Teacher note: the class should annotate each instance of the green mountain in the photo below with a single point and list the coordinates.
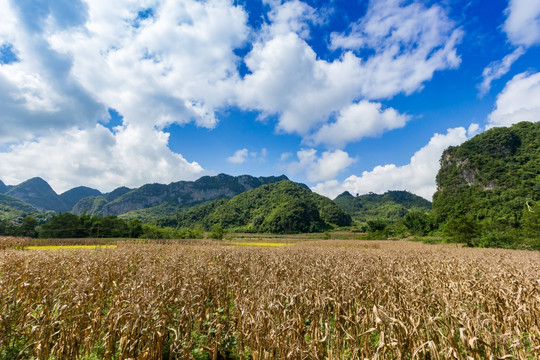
(92, 205)
(493, 178)
(13, 209)
(71, 197)
(281, 207)
(38, 193)
(153, 201)
(116, 193)
(3, 187)
(392, 205)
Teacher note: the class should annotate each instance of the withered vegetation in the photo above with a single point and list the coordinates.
(313, 300)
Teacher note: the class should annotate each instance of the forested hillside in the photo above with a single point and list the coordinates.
(38, 193)
(492, 181)
(282, 207)
(391, 206)
(153, 201)
(3, 187)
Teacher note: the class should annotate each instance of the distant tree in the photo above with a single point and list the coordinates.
(416, 222)
(376, 225)
(216, 232)
(28, 227)
(462, 229)
(3, 225)
(63, 225)
(135, 228)
(531, 219)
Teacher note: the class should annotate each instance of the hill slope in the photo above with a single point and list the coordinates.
(13, 209)
(392, 205)
(71, 197)
(282, 207)
(3, 187)
(158, 200)
(38, 193)
(491, 177)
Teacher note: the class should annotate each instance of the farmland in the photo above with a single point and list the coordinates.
(333, 299)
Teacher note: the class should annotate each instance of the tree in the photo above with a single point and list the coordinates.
(28, 226)
(531, 219)
(63, 225)
(416, 222)
(376, 225)
(462, 230)
(216, 233)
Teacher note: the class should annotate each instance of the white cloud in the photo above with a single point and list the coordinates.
(519, 101)
(177, 64)
(291, 17)
(325, 167)
(239, 157)
(410, 42)
(242, 155)
(418, 176)
(358, 121)
(522, 25)
(288, 79)
(97, 157)
(496, 69)
(36, 91)
(174, 67)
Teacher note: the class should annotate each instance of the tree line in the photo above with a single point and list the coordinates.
(68, 225)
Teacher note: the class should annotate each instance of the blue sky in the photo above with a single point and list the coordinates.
(341, 95)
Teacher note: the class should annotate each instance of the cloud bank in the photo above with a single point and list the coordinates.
(418, 176)
(163, 62)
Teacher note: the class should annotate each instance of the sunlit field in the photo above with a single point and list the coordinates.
(301, 299)
(67, 247)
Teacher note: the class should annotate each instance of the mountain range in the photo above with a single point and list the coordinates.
(146, 202)
(279, 207)
(158, 202)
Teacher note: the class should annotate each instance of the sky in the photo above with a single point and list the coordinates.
(342, 95)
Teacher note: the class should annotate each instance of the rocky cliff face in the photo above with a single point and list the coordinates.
(492, 176)
(459, 171)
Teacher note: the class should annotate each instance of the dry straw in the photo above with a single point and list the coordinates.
(327, 300)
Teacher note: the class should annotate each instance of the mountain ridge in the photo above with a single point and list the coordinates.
(392, 205)
(279, 207)
(179, 193)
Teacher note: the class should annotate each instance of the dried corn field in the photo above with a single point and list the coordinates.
(319, 300)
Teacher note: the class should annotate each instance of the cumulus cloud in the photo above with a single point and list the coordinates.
(519, 101)
(291, 17)
(239, 157)
(36, 91)
(129, 156)
(522, 25)
(409, 43)
(418, 176)
(358, 121)
(320, 168)
(175, 66)
(162, 62)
